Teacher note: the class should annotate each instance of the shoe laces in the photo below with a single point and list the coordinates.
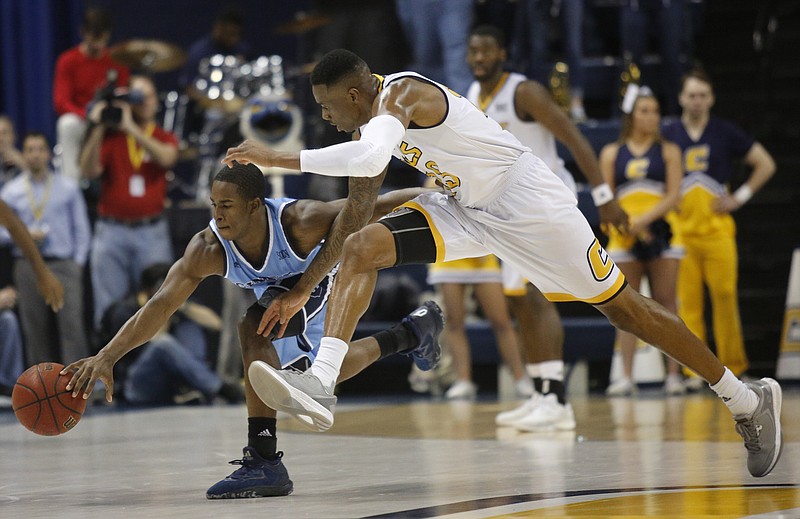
(748, 430)
(249, 462)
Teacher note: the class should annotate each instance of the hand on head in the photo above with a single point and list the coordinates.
(248, 152)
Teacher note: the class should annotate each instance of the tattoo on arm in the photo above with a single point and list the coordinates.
(354, 216)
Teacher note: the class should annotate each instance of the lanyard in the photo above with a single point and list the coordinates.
(136, 152)
(38, 208)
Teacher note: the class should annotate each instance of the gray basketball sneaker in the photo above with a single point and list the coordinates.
(762, 434)
(298, 393)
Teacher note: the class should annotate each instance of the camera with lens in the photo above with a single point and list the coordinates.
(112, 115)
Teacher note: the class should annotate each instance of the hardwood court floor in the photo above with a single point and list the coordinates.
(629, 458)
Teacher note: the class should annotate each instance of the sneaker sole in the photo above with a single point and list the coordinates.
(255, 492)
(777, 402)
(545, 428)
(277, 394)
(423, 363)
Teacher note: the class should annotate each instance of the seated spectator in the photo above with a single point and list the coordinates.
(11, 355)
(53, 209)
(80, 72)
(11, 161)
(172, 367)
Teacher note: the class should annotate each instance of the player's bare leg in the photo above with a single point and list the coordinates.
(756, 406)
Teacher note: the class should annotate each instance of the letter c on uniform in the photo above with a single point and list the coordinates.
(601, 264)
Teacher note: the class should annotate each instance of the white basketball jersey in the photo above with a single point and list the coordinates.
(468, 153)
(500, 107)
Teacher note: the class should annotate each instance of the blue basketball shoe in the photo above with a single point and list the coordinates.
(257, 477)
(426, 323)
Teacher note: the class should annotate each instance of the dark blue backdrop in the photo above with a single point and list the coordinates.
(34, 32)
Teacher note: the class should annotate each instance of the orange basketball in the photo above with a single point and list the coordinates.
(42, 403)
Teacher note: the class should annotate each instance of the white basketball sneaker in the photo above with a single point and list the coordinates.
(622, 387)
(549, 415)
(461, 390)
(508, 418)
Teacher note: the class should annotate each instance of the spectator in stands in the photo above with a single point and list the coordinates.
(533, 20)
(50, 288)
(645, 172)
(53, 209)
(80, 72)
(131, 158)
(11, 160)
(639, 19)
(452, 279)
(172, 367)
(710, 147)
(225, 38)
(437, 31)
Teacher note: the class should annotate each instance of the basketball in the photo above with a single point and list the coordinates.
(42, 403)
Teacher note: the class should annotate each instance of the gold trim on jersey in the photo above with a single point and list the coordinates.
(560, 297)
(437, 236)
(380, 82)
(515, 292)
(485, 100)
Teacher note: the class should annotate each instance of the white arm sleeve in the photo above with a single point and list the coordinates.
(366, 157)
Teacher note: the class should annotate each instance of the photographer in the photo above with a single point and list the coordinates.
(131, 155)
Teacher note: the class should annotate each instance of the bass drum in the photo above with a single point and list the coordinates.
(273, 120)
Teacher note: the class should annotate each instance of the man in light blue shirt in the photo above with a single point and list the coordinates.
(53, 209)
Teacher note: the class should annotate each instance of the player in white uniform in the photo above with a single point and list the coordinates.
(499, 198)
(527, 110)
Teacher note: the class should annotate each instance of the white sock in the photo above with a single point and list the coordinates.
(329, 360)
(552, 370)
(740, 399)
(533, 370)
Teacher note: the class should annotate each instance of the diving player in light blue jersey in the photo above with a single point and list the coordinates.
(263, 245)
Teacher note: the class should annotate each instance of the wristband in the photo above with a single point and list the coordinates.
(602, 194)
(743, 194)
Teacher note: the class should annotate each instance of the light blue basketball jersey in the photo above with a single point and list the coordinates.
(282, 267)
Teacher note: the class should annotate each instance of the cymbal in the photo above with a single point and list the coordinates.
(148, 55)
(302, 22)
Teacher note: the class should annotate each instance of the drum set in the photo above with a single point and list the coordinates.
(229, 99)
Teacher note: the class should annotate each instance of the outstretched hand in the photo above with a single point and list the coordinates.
(248, 152)
(281, 310)
(86, 374)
